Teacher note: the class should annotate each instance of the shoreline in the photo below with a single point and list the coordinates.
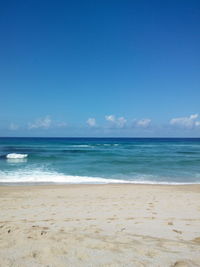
(29, 184)
(100, 225)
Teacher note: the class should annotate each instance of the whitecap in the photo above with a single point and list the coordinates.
(16, 156)
(80, 146)
(41, 176)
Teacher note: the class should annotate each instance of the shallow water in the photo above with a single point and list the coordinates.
(100, 160)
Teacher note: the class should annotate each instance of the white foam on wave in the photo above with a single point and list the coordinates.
(79, 146)
(39, 176)
(16, 156)
(16, 160)
(52, 177)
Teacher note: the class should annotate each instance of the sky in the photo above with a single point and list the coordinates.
(100, 68)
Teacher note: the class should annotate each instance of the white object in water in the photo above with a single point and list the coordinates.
(16, 156)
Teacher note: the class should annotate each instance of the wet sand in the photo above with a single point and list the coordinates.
(100, 225)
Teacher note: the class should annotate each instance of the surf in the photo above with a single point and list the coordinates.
(16, 156)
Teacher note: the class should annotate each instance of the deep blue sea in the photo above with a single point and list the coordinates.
(100, 160)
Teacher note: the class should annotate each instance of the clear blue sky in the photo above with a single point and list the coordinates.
(64, 62)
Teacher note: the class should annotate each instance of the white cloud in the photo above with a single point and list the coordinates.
(110, 118)
(121, 121)
(194, 116)
(187, 122)
(91, 122)
(143, 123)
(118, 122)
(43, 123)
(13, 126)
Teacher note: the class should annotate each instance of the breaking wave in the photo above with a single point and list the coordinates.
(16, 156)
(38, 176)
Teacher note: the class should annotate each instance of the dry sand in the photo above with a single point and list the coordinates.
(100, 225)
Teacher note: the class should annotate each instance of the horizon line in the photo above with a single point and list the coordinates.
(76, 137)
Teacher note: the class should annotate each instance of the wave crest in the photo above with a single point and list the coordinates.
(16, 156)
(47, 177)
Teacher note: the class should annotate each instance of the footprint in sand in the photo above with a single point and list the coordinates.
(90, 219)
(177, 231)
(111, 219)
(184, 263)
(34, 254)
(196, 240)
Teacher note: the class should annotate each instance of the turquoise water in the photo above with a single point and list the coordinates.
(100, 160)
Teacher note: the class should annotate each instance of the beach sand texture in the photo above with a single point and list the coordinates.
(100, 225)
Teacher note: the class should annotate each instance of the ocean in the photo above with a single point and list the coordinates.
(100, 160)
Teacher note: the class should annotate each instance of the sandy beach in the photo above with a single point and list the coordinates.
(100, 225)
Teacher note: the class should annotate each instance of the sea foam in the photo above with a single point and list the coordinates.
(40, 176)
(16, 156)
